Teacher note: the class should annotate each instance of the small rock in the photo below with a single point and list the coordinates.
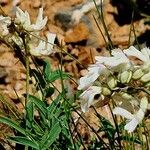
(36, 4)
(7, 59)
(63, 20)
(79, 33)
(3, 72)
(16, 2)
(4, 2)
(18, 86)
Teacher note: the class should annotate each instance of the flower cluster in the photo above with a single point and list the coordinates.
(123, 77)
(12, 29)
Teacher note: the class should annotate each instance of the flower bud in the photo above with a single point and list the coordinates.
(144, 103)
(137, 74)
(17, 21)
(147, 84)
(106, 91)
(145, 78)
(112, 82)
(125, 77)
(126, 96)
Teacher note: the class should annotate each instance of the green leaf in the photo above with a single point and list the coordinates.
(107, 127)
(39, 104)
(24, 141)
(130, 139)
(55, 104)
(12, 124)
(30, 112)
(37, 129)
(50, 75)
(39, 78)
(52, 136)
(49, 91)
(121, 126)
(57, 74)
(47, 68)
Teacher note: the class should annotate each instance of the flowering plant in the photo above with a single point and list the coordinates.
(21, 32)
(125, 74)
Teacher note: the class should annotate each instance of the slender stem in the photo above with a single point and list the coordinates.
(105, 130)
(3, 13)
(135, 34)
(27, 76)
(116, 125)
(27, 79)
(27, 70)
(100, 14)
(79, 136)
(130, 29)
(100, 30)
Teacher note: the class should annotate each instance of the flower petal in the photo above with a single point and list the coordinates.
(118, 58)
(130, 127)
(87, 80)
(144, 103)
(40, 22)
(123, 112)
(132, 51)
(4, 23)
(50, 41)
(138, 117)
(88, 96)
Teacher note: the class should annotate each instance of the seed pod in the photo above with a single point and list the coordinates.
(137, 74)
(112, 82)
(125, 77)
(145, 78)
(126, 96)
(106, 91)
(147, 84)
(144, 103)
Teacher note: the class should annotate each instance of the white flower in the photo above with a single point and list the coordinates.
(87, 80)
(94, 72)
(23, 18)
(143, 55)
(17, 40)
(133, 119)
(118, 58)
(40, 22)
(87, 97)
(4, 23)
(44, 47)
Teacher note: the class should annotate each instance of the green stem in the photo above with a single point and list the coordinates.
(27, 68)
(100, 14)
(116, 125)
(27, 77)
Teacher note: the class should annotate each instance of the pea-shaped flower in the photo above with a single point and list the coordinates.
(23, 19)
(4, 23)
(133, 119)
(45, 47)
(88, 96)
